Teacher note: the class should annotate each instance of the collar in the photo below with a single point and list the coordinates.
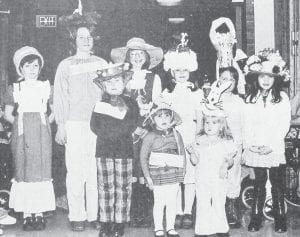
(163, 133)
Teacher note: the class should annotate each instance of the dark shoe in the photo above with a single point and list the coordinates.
(39, 223)
(105, 230)
(232, 213)
(223, 234)
(118, 230)
(78, 226)
(172, 235)
(28, 224)
(95, 225)
(187, 221)
(279, 210)
(178, 221)
(157, 235)
(259, 196)
(200, 235)
(255, 223)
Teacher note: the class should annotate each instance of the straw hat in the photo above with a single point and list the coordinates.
(156, 54)
(22, 53)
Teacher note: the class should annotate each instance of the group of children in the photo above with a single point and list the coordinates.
(153, 140)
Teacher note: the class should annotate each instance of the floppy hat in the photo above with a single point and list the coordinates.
(112, 71)
(157, 107)
(268, 62)
(156, 54)
(182, 57)
(22, 53)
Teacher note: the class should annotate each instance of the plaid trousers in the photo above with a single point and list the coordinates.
(114, 187)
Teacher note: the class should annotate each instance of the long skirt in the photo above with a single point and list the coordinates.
(32, 189)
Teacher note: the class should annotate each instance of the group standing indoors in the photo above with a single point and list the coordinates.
(32, 189)
(75, 95)
(267, 116)
(185, 98)
(144, 87)
(114, 119)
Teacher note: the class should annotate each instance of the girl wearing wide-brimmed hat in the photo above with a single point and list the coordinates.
(32, 189)
(113, 121)
(267, 116)
(144, 87)
(185, 99)
(163, 162)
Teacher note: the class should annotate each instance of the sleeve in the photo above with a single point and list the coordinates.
(157, 87)
(95, 124)
(145, 153)
(180, 144)
(282, 125)
(8, 96)
(60, 95)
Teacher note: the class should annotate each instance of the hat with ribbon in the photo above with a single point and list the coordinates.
(113, 70)
(156, 54)
(22, 53)
(182, 57)
(269, 62)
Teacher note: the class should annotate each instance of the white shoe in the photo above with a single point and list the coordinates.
(8, 220)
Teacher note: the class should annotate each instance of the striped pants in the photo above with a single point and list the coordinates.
(114, 187)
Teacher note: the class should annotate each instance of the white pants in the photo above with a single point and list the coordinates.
(164, 196)
(210, 213)
(234, 178)
(81, 180)
(189, 197)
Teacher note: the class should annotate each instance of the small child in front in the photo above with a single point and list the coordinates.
(212, 153)
(163, 163)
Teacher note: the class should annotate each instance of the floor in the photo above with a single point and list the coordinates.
(58, 226)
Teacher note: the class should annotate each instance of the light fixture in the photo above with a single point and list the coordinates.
(176, 20)
(169, 3)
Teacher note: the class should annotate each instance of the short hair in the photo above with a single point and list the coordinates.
(235, 75)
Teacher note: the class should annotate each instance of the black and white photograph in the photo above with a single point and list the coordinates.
(142, 118)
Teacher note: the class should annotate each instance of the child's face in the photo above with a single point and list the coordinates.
(212, 125)
(162, 119)
(31, 71)
(114, 86)
(265, 81)
(137, 58)
(84, 40)
(226, 76)
(181, 75)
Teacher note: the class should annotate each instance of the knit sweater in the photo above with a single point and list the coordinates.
(114, 136)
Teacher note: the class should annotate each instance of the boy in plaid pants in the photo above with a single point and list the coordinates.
(113, 121)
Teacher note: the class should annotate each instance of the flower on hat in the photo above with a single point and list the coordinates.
(267, 61)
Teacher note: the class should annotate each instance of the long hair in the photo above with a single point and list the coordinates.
(146, 63)
(235, 75)
(253, 88)
(224, 131)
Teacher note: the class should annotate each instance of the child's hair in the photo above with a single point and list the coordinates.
(145, 65)
(170, 82)
(235, 75)
(253, 88)
(165, 111)
(30, 59)
(224, 131)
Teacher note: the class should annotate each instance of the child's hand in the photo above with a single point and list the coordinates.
(265, 150)
(150, 183)
(61, 135)
(190, 149)
(223, 172)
